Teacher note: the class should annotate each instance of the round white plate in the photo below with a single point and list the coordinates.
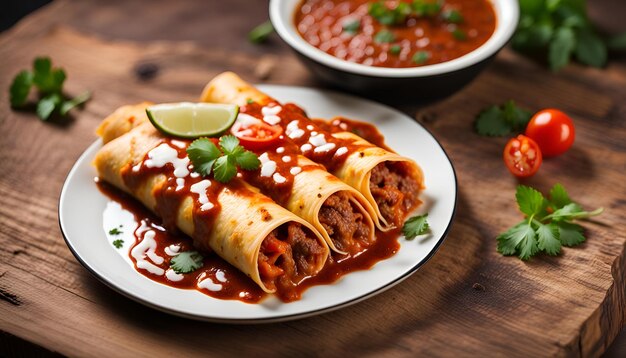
(82, 205)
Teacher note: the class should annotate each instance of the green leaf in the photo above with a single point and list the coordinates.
(415, 226)
(260, 33)
(520, 240)
(47, 104)
(225, 169)
(559, 197)
(352, 27)
(384, 36)
(452, 16)
(548, 239)
(187, 261)
(119, 243)
(115, 231)
(20, 88)
(46, 79)
(395, 50)
(561, 48)
(248, 161)
(570, 234)
(567, 212)
(490, 122)
(420, 57)
(229, 144)
(617, 42)
(590, 49)
(203, 153)
(459, 34)
(66, 106)
(515, 116)
(530, 201)
(42, 66)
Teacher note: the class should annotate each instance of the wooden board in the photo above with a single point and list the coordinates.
(468, 300)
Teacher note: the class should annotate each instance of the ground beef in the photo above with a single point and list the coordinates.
(345, 223)
(394, 190)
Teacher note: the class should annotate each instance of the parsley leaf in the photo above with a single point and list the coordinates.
(415, 226)
(541, 231)
(118, 243)
(206, 157)
(49, 83)
(115, 231)
(261, 33)
(185, 262)
(561, 48)
(499, 121)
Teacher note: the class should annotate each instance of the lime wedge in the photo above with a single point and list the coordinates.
(192, 120)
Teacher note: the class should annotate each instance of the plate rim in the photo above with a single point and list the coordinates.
(279, 318)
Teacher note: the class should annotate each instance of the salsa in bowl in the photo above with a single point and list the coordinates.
(420, 48)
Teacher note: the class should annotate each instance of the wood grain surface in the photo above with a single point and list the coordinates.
(468, 300)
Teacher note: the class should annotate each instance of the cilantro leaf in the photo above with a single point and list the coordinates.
(570, 234)
(459, 34)
(203, 153)
(248, 161)
(229, 144)
(187, 261)
(20, 87)
(384, 36)
(415, 226)
(452, 16)
(590, 49)
(66, 106)
(395, 50)
(561, 48)
(48, 80)
(548, 238)
(47, 104)
(118, 243)
(115, 231)
(516, 116)
(530, 201)
(225, 169)
(559, 197)
(490, 123)
(566, 212)
(519, 240)
(420, 57)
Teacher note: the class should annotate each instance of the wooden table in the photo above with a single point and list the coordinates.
(468, 300)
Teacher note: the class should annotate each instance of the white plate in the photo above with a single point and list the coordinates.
(81, 218)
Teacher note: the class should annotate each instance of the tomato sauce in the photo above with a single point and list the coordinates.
(354, 31)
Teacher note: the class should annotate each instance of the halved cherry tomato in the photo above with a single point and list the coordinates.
(522, 156)
(553, 130)
(256, 136)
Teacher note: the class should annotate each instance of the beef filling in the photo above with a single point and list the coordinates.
(289, 254)
(345, 223)
(394, 190)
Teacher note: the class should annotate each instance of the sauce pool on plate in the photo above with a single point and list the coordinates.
(396, 34)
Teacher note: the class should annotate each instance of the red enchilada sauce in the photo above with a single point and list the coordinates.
(227, 281)
(396, 34)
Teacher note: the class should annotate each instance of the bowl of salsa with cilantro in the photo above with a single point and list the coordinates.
(422, 48)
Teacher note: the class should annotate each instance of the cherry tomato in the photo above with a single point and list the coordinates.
(553, 130)
(522, 156)
(257, 135)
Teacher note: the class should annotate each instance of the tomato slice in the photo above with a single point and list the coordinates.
(256, 135)
(553, 130)
(522, 156)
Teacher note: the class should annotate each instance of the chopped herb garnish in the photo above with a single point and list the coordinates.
(115, 231)
(395, 50)
(185, 262)
(498, 121)
(260, 33)
(420, 57)
(384, 36)
(415, 226)
(426, 8)
(398, 15)
(249, 101)
(452, 16)
(459, 34)
(118, 243)
(49, 83)
(206, 157)
(547, 224)
(352, 27)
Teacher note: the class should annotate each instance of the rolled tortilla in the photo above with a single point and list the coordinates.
(398, 179)
(244, 227)
(340, 213)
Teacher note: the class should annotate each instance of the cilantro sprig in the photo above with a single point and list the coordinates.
(562, 30)
(223, 161)
(547, 225)
(417, 8)
(49, 83)
(186, 261)
(415, 226)
(499, 121)
(119, 243)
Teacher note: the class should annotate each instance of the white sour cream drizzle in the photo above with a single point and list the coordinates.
(268, 167)
(293, 131)
(341, 151)
(144, 250)
(305, 147)
(173, 276)
(164, 154)
(280, 150)
(279, 178)
(270, 114)
(210, 285)
(295, 170)
(172, 250)
(200, 189)
(286, 159)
